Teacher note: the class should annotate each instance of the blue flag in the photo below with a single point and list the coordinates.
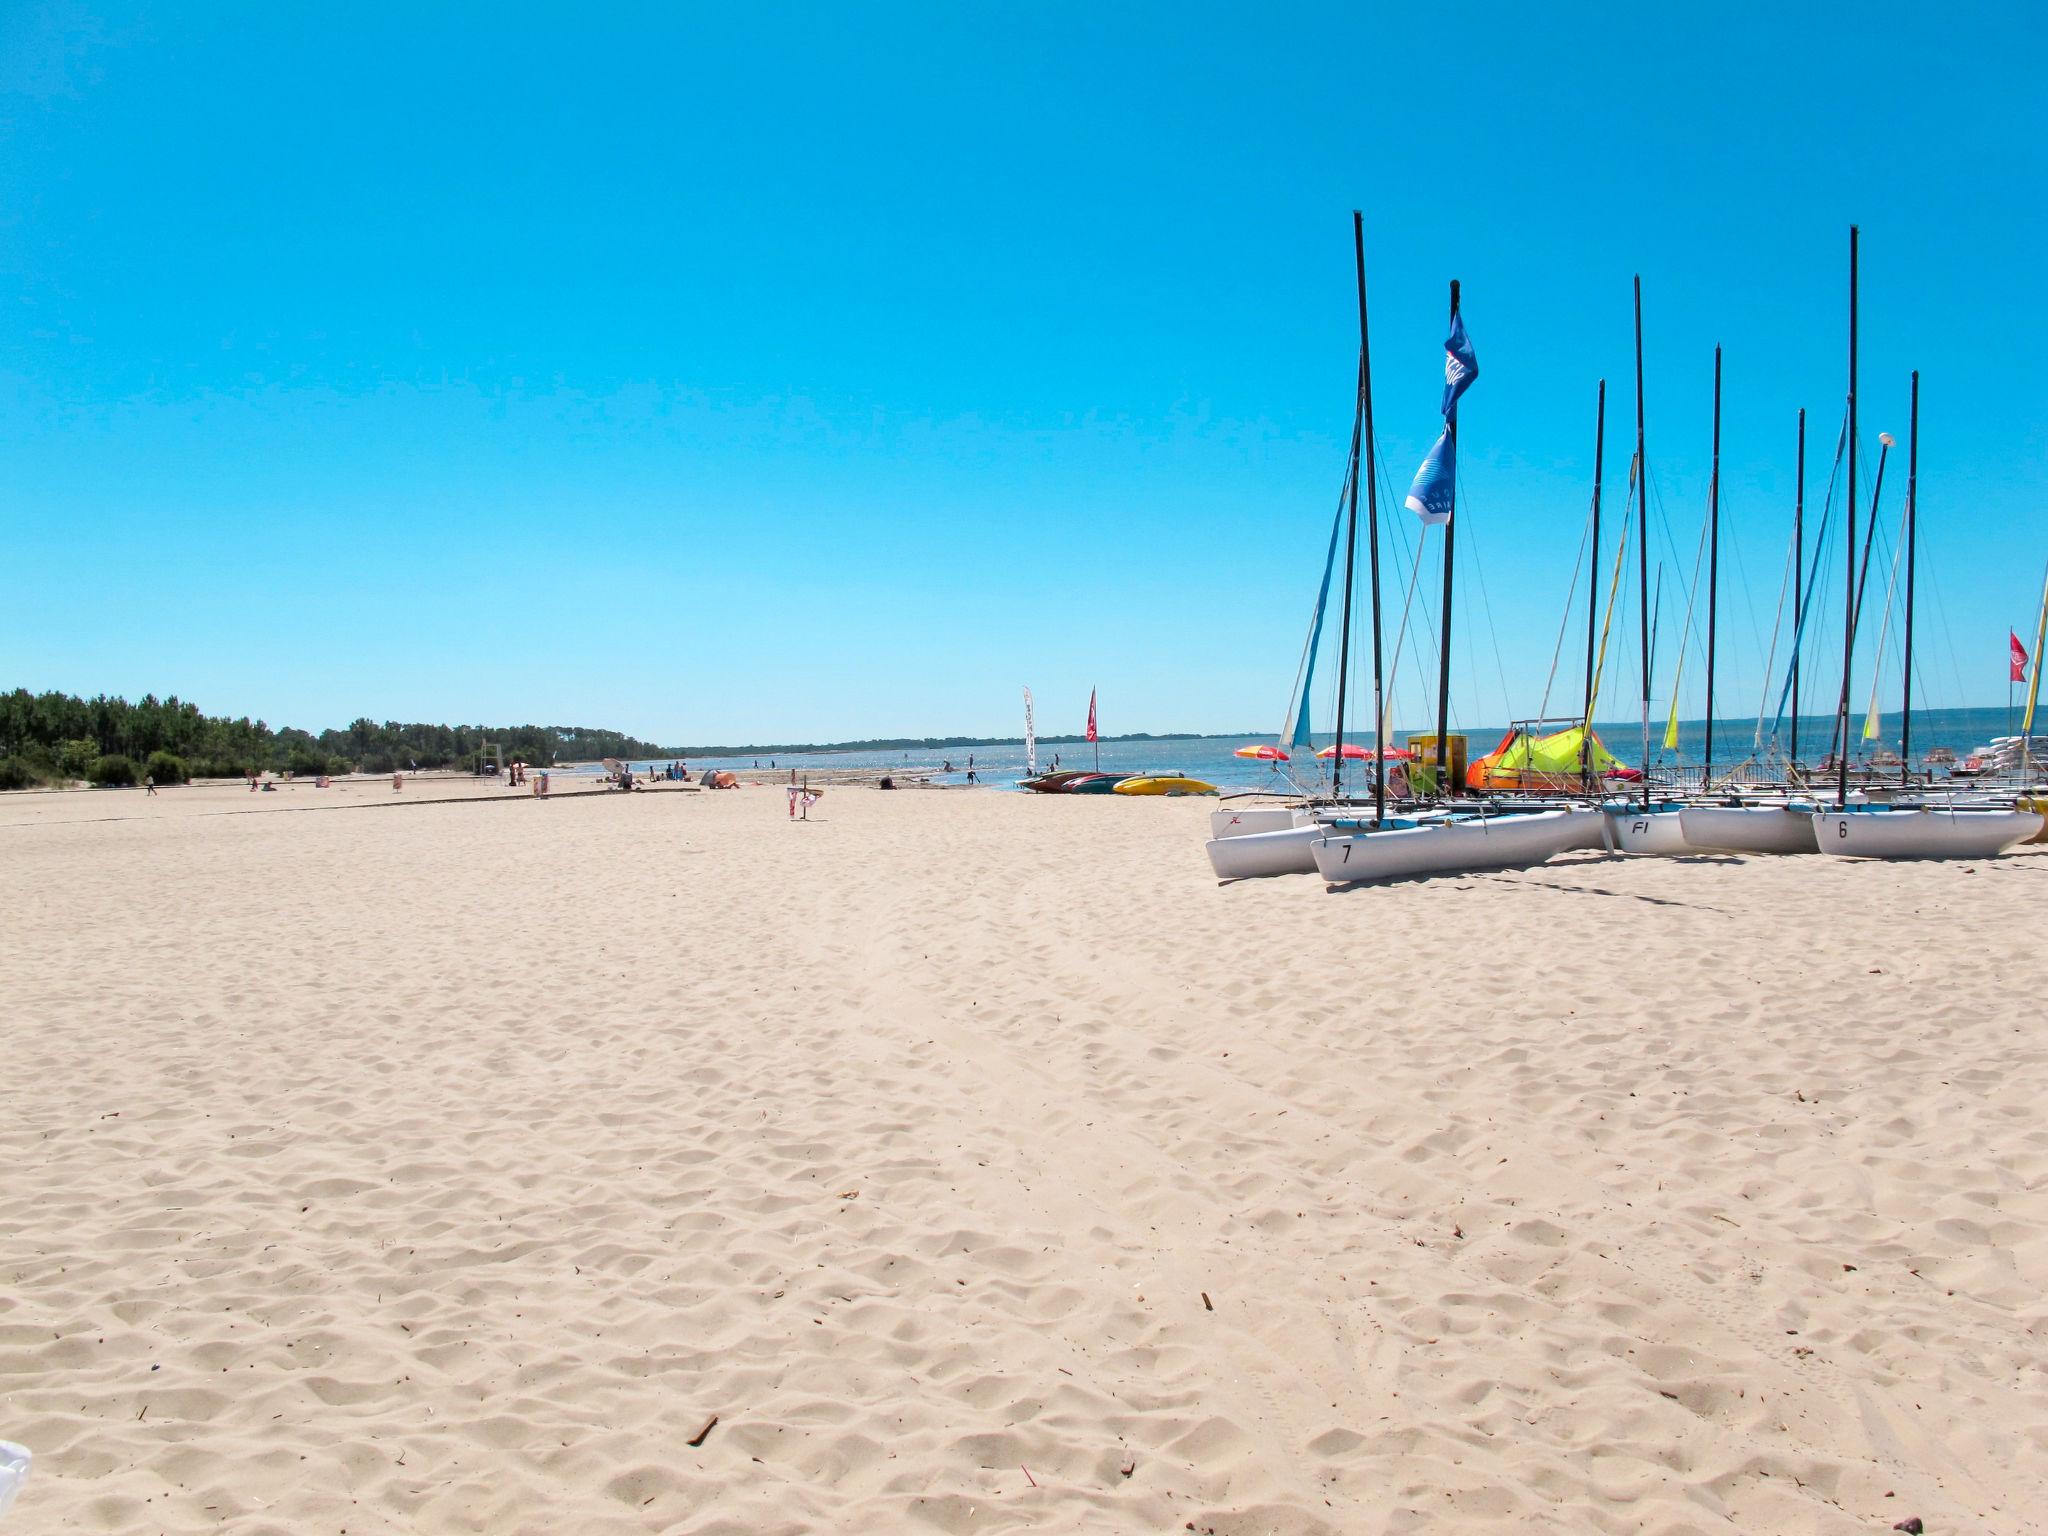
(1434, 490)
(1461, 366)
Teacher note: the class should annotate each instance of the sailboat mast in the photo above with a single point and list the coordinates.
(1713, 573)
(1798, 577)
(1593, 582)
(1849, 589)
(1912, 537)
(1369, 460)
(1643, 541)
(1445, 784)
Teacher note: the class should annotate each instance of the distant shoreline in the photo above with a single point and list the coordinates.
(933, 743)
(1620, 730)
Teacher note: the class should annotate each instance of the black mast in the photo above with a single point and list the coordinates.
(1593, 582)
(1798, 577)
(1912, 532)
(1713, 572)
(1849, 587)
(1369, 461)
(1643, 541)
(1445, 785)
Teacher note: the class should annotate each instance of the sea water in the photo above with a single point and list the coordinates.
(999, 765)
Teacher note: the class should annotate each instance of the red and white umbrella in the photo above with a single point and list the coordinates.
(1353, 750)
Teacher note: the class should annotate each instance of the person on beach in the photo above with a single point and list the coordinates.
(149, 782)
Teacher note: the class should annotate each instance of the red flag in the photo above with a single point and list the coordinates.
(1091, 710)
(2019, 657)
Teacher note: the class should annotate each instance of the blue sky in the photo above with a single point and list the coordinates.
(817, 372)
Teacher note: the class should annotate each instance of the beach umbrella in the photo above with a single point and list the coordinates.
(1353, 750)
(1264, 753)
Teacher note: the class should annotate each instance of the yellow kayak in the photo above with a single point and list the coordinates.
(1165, 784)
(2039, 805)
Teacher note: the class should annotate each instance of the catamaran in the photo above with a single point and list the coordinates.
(1277, 840)
(1456, 840)
(1879, 830)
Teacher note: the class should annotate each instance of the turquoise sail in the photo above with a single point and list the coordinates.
(1296, 732)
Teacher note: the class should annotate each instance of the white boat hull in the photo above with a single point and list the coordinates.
(1652, 833)
(1922, 833)
(1255, 855)
(1588, 828)
(1245, 820)
(1749, 828)
(1447, 847)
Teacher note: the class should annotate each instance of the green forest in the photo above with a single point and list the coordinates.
(56, 738)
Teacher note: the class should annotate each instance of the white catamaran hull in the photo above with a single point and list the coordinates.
(1245, 820)
(1447, 847)
(1749, 828)
(1255, 855)
(1655, 832)
(1922, 833)
(1588, 830)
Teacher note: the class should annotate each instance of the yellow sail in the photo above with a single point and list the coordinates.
(1606, 624)
(1684, 635)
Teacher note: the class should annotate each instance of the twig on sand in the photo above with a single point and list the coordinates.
(698, 1438)
(1027, 1475)
(1207, 1304)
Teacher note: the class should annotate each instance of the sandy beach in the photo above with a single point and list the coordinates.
(975, 1162)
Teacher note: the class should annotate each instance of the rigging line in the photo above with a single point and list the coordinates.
(1656, 623)
(1777, 627)
(1749, 603)
(1421, 683)
(1492, 628)
(1879, 543)
(1819, 580)
(1401, 634)
(1614, 590)
(1570, 602)
(1407, 602)
(1685, 632)
(1870, 720)
(1672, 546)
(1302, 672)
(1820, 597)
(1933, 588)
